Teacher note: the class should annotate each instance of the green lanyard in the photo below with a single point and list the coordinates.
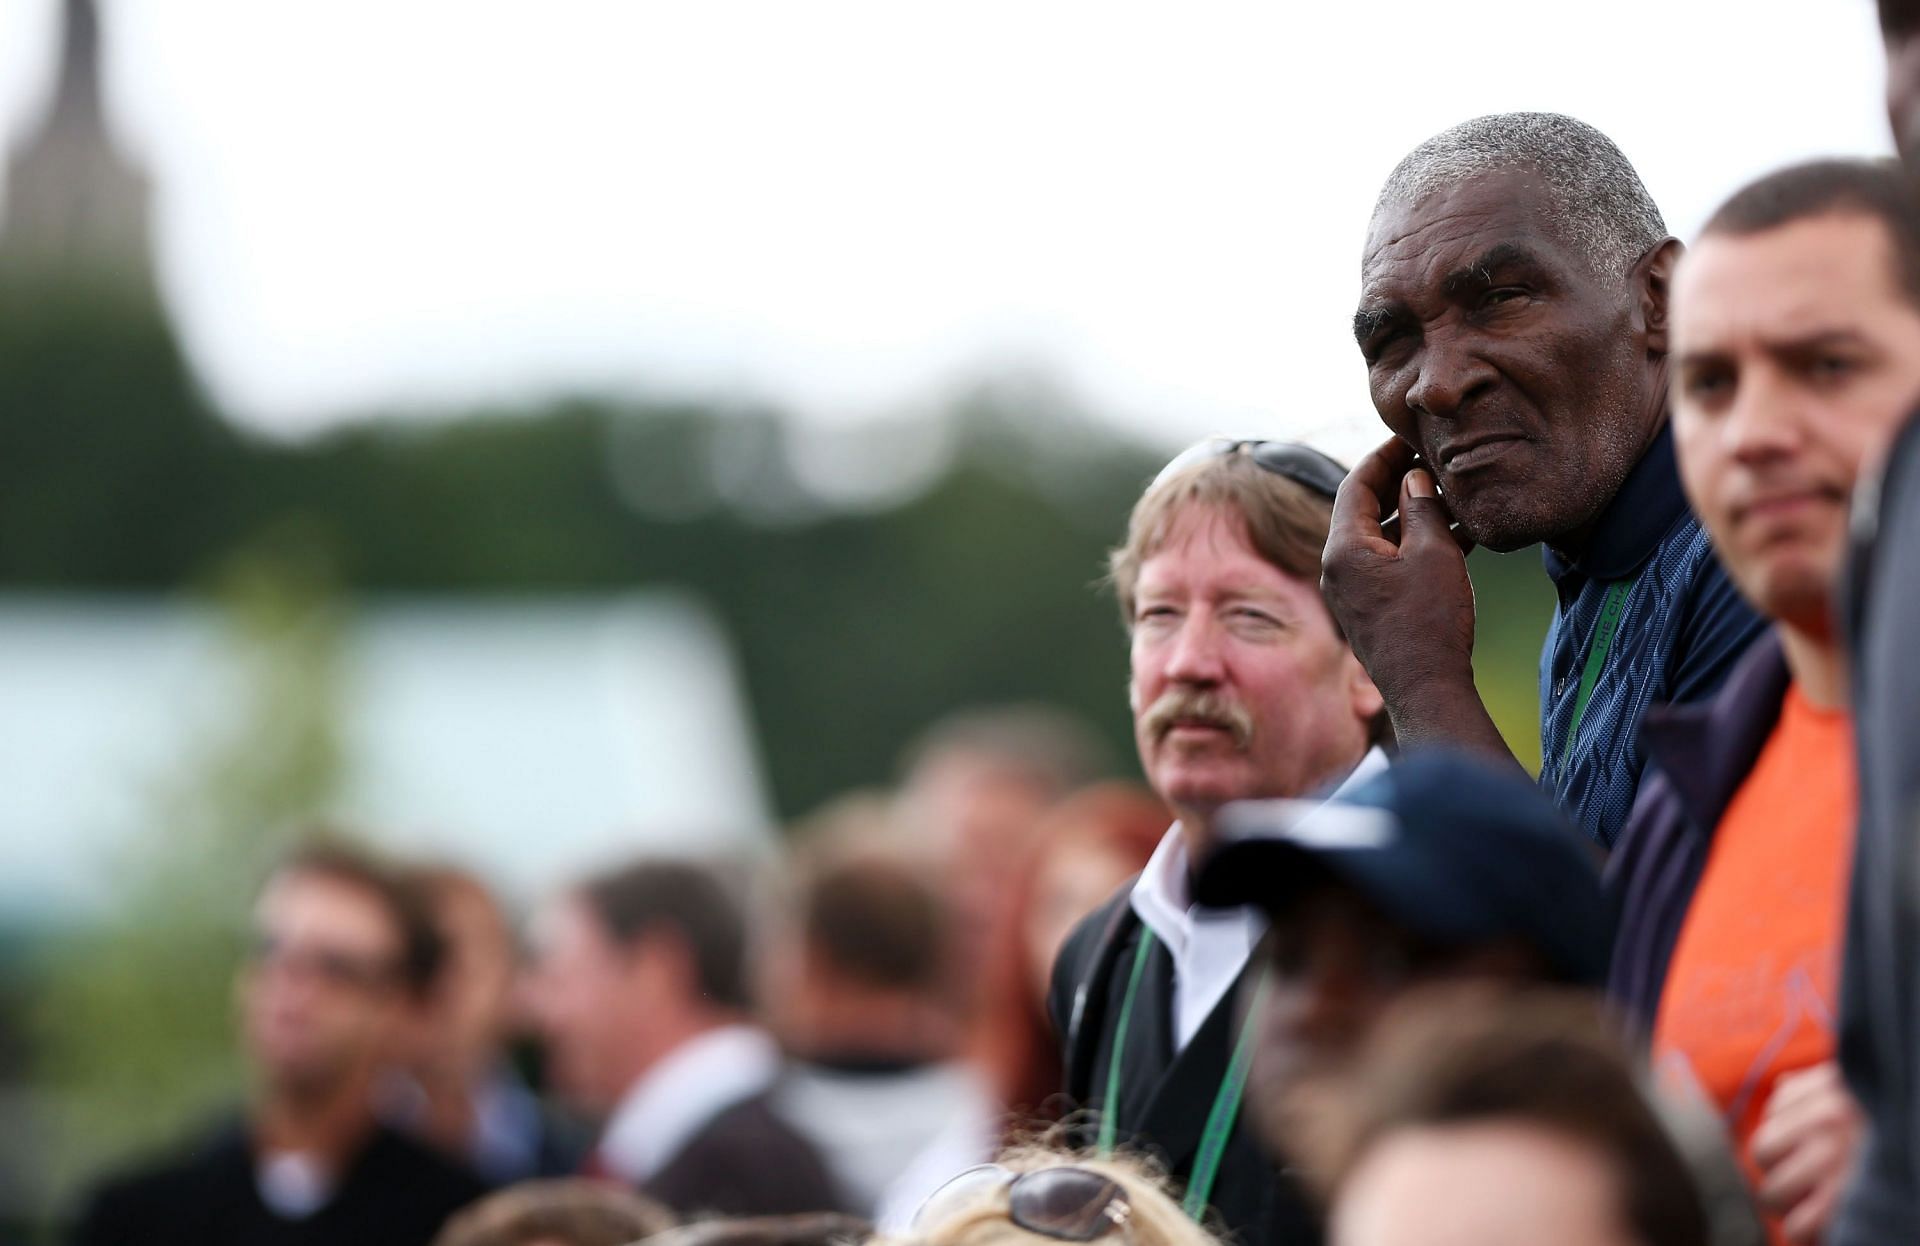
(1226, 1101)
(1612, 608)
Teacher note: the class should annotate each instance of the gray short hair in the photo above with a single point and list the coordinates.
(1605, 210)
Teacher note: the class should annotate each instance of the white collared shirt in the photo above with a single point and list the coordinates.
(1209, 946)
(675, 1099)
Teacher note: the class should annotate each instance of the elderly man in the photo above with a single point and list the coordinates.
(1513, 317)
(1242, 687)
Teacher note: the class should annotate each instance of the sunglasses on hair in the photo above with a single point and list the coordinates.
(1068, 1204)
(1300, 463)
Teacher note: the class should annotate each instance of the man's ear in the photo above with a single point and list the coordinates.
(1368, 704)
(1653, 289)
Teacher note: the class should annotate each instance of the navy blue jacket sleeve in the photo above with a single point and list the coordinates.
(1719, 627)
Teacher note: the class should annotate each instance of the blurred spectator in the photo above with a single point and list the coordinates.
(568, 1211)
(639, 989)
(343, 956)
(1480, 1120)
(1513, 319)
(458, 1090)
(1084, 849)
(975, 784)
(1034, 1195)
(1796, 352)
(815, 1229)
(1880, 979)
(856, 974)
(1241, 687)
(1443, 868)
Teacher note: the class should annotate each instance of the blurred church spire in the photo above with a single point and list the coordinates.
(75, 209)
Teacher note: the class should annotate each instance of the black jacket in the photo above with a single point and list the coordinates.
(746, 1161)
(1164, 1101)
(397, 1193)
(1880, 974)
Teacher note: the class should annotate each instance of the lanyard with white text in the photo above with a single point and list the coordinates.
(1226, 1101)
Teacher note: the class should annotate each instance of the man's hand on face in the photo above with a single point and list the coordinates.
(1402, 596)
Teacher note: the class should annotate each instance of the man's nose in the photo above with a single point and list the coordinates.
(1767, 420)
(1451, 376)
(1196, 656)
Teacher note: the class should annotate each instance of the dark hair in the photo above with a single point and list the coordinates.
(1459, 1056)
(689, 899)
(1899, 18)
(572, 1210)
(1872, 188)
(873, 916)
(422, 949)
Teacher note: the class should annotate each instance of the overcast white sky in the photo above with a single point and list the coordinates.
(849, 206)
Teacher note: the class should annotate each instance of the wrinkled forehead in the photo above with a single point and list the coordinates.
(1420, 240)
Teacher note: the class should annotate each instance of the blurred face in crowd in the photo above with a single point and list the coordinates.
(591, 1000)
(1796, 355)
(1332, 964)
(1073, 877)
(1240, 687)
(1521, 377)
(980, 812)
(1481, 1183)
(322, 999)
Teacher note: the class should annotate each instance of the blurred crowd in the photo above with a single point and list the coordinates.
(1340, 970)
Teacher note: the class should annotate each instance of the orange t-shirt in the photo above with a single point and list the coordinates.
(1751, 988)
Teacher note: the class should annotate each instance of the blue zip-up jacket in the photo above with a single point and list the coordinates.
(1698, 756)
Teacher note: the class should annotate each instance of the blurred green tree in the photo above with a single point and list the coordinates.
(133, 1025)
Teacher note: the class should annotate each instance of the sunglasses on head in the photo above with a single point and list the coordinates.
(1068, 1203)
(1300, 463)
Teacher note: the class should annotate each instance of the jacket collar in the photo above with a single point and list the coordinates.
(1706, 748)
(1629, 529)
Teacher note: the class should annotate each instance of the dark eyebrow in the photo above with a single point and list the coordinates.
(1370, 320)
(1479, 272)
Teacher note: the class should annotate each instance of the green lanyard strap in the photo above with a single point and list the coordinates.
(1226, 1102)
(1612, 608)
(1110, 1106)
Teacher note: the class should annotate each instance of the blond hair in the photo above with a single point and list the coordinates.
(1285, 521)
(1156, 1219)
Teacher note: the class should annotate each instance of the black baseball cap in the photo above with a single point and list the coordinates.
(1455, 847)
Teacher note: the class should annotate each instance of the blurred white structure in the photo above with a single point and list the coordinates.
(529, 738)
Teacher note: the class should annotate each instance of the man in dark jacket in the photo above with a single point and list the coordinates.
(1796, 350)
(1513, 318)
(639, 988)
(1880, 980)
(1241, 687)
(343, 951)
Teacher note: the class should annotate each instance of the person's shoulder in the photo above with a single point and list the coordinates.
(145, 1196)
(1082, 946)
(428, 1174)
(748, 1136)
